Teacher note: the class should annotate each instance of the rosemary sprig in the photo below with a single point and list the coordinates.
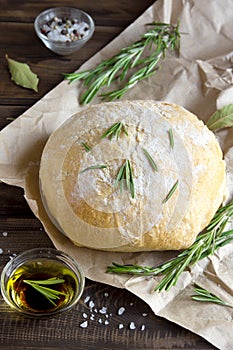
(203, 294)
(125, 174)
(206, 243)
(150, 159)
(171, 192)
(49, 293)
(93, 167)
(156, 40)
(115, 130)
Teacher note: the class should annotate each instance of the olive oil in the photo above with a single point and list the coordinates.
(29, 299)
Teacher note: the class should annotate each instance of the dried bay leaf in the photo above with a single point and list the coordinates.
(223, 118)
(22, 75)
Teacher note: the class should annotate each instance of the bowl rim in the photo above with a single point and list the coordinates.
(61, 43)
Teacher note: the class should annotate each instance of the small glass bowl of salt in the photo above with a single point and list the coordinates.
(64, 30)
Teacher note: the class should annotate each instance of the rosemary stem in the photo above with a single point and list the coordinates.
(156, 42)
(206, 243)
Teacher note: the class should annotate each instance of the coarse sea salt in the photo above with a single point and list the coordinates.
(103, 310)
(5, 234)
(132, 325)
(102, 316)
(84, 324)
(121, 310)
(1, 250)
(87, 299)
(91, 304)
(65, 30)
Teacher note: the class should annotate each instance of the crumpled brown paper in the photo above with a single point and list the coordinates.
(199, 80)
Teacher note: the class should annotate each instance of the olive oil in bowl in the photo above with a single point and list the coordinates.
(42, 282)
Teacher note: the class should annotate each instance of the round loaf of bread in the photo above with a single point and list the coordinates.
(132, 176)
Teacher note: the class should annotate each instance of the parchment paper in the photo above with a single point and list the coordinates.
(199, 80)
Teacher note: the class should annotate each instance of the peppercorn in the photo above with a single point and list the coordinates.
(64, 31)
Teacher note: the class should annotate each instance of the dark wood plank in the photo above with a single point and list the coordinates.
(48, 66)
(103, 12)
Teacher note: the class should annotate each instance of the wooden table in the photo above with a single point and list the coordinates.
(20, 230)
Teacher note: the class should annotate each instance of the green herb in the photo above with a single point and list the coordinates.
(171, 138)
(115, 130)
(206, 243)
(222, 118)
(22, 75)
(93, 167)
(125, 174)
(150, 159)
(204, 295)
(48, 293)
(86, 147)
(170, 193)
(155, 41)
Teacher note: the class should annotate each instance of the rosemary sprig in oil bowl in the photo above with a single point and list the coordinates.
(157, 40)
(42, 282)
(49, 293)
(202, 294)
(206, 243)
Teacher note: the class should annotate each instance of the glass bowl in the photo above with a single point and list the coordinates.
(42, 283)
(64, 30)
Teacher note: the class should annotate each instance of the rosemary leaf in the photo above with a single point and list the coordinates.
(93, 167)
(86, 147)
(150, 159)
(156, 41)
(204, 295)
(115, 130)
(49, 281)
(49, 293)
(222, 118)
(171, 138)
(206, 243)
(170, 193)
